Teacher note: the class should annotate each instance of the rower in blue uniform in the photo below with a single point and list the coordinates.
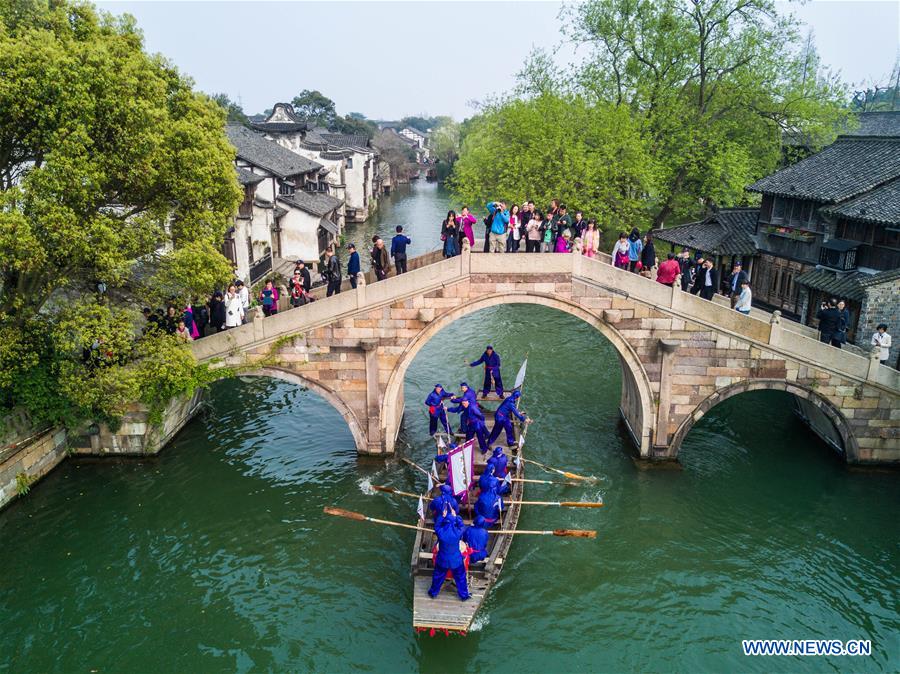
(476, 537)
(449, 530)
(488, 505)
(491, 361)
(503, 419)
(475, 427)
(436, 411)
(467, 394)
(445, 499)
(499, 461)
(489, 482)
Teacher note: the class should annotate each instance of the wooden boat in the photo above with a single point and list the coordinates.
(447, 613)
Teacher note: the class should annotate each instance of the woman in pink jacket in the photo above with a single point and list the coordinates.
(464, 223)
(590, 240)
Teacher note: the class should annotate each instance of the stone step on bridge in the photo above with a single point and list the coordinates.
(680, 355)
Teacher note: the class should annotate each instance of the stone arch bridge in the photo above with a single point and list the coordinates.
(680, 355)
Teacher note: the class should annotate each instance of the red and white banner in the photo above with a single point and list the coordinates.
(461, 465)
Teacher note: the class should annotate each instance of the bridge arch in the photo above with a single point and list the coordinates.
(275, 372)
(834, 415)
(637, 406)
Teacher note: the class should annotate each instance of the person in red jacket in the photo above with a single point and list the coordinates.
(668, 270)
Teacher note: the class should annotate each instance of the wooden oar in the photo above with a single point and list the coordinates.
(564, 473)
(564, 504)
(418, 467)
(525, 479)
(350, 515)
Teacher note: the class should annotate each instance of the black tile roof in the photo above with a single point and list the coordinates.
(346, 139)
(848, 167)
(877, 124)
(881, 206)
(848, 286)
(267, 154)
(246, 177)
(279, 127)
(315, 203)
(728, 232)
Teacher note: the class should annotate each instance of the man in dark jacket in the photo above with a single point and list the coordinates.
(684, 263)
(306, 279)
(353, 266)
(398, 249)
(829, 318)
(737, 278)
(217, 312)
(332, 272)
(708, 280)
(381, 264)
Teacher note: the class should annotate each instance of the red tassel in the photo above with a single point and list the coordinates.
(446, 632)
(431, 633)
(462, 633)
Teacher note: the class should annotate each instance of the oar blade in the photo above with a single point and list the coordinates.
(581, 504)
(340, 512)
(388, 490)
(575, 533)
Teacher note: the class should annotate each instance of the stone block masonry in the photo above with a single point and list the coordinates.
(680, 355)
(30, 460)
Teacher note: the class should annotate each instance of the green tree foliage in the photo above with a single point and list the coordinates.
(108, 159)
(233, 111)
(591, 157)
(714, 83)
(421, 123)
(315, 108)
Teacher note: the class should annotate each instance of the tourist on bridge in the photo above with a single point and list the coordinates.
(268, 298)
(450, 235)
(841, 336)
(234, 308)
(476, 537)
(579, 226)
(244, 294)
(745, 298)
(697, 272)
(332, 272)
(620, 251)
(499, 222)
(353, 266)
(563, 243)
(299, 295)
(466, 394)
(305, 276)
(514, 231)
(708, 280)
(503, 419)
(534, 230)
(217, 313)
(829, 318)
(561, 223)
(200, 313)
(491, 361)
(668, 271)
(684, 261)
(449, 530)
(648, 256)
(635, 248)
(882, 340)
(398, 249)
(736, 281)
(436, 411)
(499, 461)
(464, 224)
(182, 332)
(381, 263)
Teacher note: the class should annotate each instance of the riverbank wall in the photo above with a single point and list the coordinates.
(27, 454)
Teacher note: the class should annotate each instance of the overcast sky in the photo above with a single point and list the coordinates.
(390, 59)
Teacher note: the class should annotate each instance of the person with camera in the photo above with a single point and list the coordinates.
(497, 221)
(829, 317)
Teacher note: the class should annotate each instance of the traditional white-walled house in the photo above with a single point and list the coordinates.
(349, 163)
(286, 214)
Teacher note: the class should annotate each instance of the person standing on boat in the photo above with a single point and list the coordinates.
(436, 411)
(491, 361)
(475, 427)
(467, 394)
(449, 531)
(503, 419)
(476, 537)
(499, 461)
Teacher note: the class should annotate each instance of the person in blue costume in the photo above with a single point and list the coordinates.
(467, 394)
(499, 462)
(449, 530)
(475, 427)
(476, 537)
(436, 412)
(491, 361)
(503, 419)
(445, 499)
(489, 482)
(488, 505)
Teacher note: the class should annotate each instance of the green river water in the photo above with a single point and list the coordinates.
(216, 556)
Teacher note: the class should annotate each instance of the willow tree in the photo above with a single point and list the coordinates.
(108, 159)
(591, 157)
(715, 85)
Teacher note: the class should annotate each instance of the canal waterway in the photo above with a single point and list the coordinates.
(216, 556)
